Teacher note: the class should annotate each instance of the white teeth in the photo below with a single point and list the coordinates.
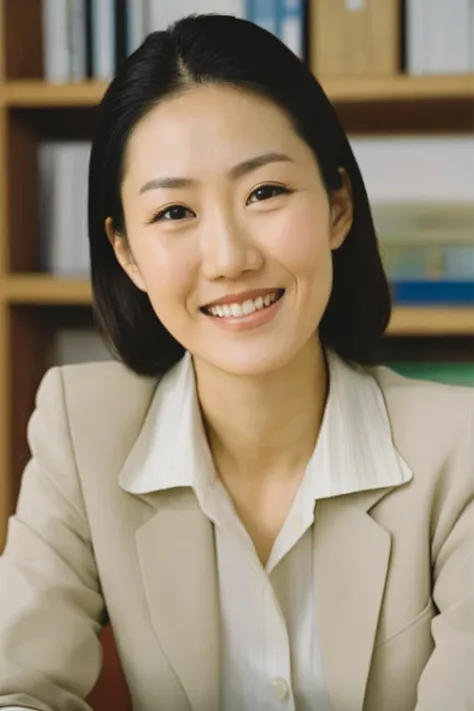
(243, 309)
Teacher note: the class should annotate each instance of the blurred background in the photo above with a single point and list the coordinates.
(401, 76)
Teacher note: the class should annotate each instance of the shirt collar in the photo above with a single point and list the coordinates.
(354, 452)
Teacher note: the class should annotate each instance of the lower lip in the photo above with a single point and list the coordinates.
(253, 320)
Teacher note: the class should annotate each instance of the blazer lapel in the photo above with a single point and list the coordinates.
(351, 556)
(176, 552)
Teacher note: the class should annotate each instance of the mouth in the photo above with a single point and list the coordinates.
(243, 309)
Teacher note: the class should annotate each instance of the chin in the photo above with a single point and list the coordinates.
(246, 361)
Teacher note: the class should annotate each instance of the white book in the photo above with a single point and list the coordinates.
(136, 24)
(80, 154)
(63, 171)
(416, 168)
(291, 25)
(61, 239)
(472, 35)
(77, 39)
(103, 39)
(78, 346)
(416, 36)
(448, 37)
(55, 41)
(157, 14)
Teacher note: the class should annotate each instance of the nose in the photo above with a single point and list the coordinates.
(228, 250)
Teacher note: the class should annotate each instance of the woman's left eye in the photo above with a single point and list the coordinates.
(265, 192)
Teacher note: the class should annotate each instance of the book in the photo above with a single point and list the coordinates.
(78, 346)
(103, 39)
(439, 36)
(265, 15)
(291, 25)
(355, 37)
(433, 292)
(63, 187)
(452, 373)
(55, 40)
(77, 39)
(137, 27)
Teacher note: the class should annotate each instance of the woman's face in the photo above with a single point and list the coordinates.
(229, 228)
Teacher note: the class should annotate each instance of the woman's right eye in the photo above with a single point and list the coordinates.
(172, 213)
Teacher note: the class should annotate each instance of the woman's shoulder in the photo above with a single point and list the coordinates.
(431, 422)
(96, 396)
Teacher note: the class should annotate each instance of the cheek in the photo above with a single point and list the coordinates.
(168, 272)
(301, 243)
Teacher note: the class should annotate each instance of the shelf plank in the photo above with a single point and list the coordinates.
(398, 88)
(355, 90)
(38, 94)
(432, 321)
(43, 289)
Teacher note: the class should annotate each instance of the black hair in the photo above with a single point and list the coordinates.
(202, 49)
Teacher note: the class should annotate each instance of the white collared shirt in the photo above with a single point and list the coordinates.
(270, 651)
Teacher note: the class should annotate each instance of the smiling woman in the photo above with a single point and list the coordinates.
(286, 522)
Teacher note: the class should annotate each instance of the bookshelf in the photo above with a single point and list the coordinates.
(33, 305)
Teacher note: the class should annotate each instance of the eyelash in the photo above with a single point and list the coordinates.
(159, 216)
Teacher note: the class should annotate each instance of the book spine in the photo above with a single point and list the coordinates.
(136, 29)
(56, 45)
(266, 15)
(416, 21)
(103, 39)
(444, 293)
(448, 37)
(291, 25)
(77, 35)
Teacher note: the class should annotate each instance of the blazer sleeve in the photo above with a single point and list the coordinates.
(51, 607)
(447, 681)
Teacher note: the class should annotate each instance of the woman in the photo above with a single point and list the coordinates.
(266, 519)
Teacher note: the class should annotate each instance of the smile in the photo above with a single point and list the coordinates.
(245, 308)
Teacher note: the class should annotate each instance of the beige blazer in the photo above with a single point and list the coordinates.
(394, 567)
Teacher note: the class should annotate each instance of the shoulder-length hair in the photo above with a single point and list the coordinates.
(201, 49)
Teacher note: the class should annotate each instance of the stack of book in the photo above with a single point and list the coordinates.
(88, 39)
(63, 186)
(428, 251)
(439, 36)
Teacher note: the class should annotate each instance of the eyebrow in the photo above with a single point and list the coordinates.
(238, 171)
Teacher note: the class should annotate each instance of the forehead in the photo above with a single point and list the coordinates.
(200, 119)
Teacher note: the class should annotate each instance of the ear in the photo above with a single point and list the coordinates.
(124, 254)
(342, 211)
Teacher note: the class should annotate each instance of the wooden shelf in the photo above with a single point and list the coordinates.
(40, 94)
(36, 93)
(42, 289)
(398, 88)
(432, 321)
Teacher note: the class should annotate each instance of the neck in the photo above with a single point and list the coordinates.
(270, 422)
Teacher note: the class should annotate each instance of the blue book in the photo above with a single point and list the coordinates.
(433, 292)
(290, 24)
(264, 13)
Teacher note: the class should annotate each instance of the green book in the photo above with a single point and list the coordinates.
(451, 373)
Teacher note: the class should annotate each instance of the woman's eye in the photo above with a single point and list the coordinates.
(171, 214)
(264, 192)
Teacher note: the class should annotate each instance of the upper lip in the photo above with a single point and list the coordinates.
(241, 297)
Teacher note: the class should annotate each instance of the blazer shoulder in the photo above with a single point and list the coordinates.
(100, 401)
(426, 415)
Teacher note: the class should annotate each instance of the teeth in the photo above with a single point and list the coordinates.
(243, 309)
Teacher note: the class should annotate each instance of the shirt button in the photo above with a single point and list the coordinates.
(280, 688)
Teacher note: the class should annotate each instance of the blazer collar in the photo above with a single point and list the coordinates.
(354, 452)
(175, 545)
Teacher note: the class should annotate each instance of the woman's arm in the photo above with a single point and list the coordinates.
(51, 607)
(447, 681)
